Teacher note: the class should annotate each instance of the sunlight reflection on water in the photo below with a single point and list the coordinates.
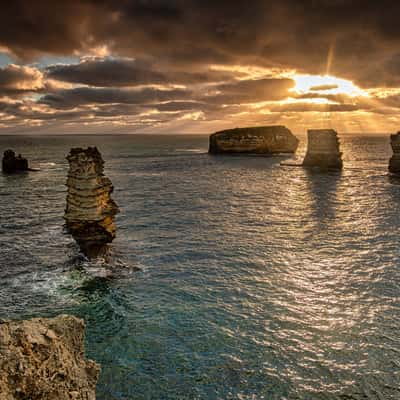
(256, 281)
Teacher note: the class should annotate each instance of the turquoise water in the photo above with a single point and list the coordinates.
(256, 281)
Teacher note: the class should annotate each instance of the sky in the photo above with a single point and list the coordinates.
(198, 66)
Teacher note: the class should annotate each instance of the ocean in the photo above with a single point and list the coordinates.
(230, 277)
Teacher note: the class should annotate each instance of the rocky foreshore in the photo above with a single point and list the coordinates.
(43, 359)
(254, 140)
(90, 210)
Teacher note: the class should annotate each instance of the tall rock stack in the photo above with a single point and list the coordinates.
(90, 210)
(323, 149)
(394, 163)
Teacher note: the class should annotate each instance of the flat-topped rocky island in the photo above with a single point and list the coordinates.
(266, 140)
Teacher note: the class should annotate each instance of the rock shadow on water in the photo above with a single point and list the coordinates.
(322, 185)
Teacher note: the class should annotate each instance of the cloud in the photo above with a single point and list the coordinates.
(36, 28)
(391, 101)
(106, 72)
(250, 91)
(16, 79)
(111, 72)
(235, 92)
(174, 106)
(313, 107)
(320, 88)
(288, 33)
(147, 61)
(70, 98)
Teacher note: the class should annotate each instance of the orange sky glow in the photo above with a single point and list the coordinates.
(173, 67)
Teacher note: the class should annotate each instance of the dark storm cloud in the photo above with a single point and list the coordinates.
(128, 72)
(385, 70)
(45, 27)
(70, 98)
(362, 35)
(106, 72)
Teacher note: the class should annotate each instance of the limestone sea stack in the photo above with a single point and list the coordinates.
(90, 210)
(323, 149)
(43, 359)
(394, 162)
(12, 163)
(254, 140)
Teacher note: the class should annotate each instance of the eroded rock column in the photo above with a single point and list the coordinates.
(323, 149)
(90, 210)
(394, 162)
(43, 359)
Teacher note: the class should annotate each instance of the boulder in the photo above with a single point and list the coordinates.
(43, 359)
(90, 210)
(323, 149)
(254, 140)
(394, 162)
(12, 163)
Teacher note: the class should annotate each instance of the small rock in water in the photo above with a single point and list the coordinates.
(90, 209)
(12, 163)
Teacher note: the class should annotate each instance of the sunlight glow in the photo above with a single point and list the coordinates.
(311, 101)
(326, 84)
(253, 72)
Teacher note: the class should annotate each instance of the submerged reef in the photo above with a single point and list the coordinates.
(43, 359)
(12, 163)
(394, 162)
(323, 149)
(254, 140)
(90, 210)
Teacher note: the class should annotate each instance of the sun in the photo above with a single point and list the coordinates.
(326, 84)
